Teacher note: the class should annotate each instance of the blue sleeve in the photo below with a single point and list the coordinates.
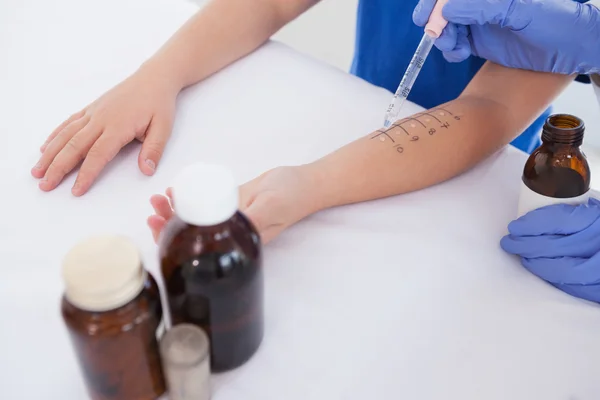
(583, 78)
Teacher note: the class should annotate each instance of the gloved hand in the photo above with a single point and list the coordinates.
(559, 36)
(560, 244)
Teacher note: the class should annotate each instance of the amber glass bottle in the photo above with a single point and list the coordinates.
(557, 171)
(211, 263)
(595, 79)
(112, 311)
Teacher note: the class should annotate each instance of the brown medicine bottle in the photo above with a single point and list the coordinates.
(211, 262)
(112, 311)
(557, 171)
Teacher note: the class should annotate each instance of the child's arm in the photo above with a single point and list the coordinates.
(421, 151)
(498, 104)
(221, 33)
(142, 107)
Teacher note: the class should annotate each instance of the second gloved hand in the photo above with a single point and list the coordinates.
(558, 36)
(560, 244)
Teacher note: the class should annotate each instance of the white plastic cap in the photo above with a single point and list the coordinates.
(103, 273)
(205, 194)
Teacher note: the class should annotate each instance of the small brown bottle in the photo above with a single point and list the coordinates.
(557, 171)
(112, 311)
(211, 262)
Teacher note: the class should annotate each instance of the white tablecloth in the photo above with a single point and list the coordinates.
(404, 298)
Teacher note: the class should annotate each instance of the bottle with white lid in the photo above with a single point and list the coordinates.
(211, 261)
(112, 310)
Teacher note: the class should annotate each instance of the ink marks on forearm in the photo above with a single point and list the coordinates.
(408, 131)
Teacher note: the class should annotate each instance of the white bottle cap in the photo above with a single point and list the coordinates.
(205, 194)
(103, 273)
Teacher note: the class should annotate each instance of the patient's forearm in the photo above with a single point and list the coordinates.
(436, 145)
(219, 34)
(416, 153)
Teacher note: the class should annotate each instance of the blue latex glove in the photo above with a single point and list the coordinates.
(560, 36)
(560, 244)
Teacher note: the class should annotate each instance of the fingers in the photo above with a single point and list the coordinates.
(248, 193)
(469, 12)
(462, 51)
(164, 212)
(157, 135)
(448, 39)
(161, 206)
(69, 157)
(156, 224)
(256, 214)
(261, 214)
(586, 292)
(584, 243)
(559, 219)
(564, 270)
(56, 131)
(56, 145)
(423, 11)
(101, 153)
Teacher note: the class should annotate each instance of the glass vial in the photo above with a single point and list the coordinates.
(186, 360)
(211, 262)
(112, 310)
(557, 171)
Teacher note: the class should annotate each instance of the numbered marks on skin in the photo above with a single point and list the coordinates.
(383, 136)
(433, 121)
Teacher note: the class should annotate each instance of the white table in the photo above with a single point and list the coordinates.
(408, 297)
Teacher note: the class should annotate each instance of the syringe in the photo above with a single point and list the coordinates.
(433, 30)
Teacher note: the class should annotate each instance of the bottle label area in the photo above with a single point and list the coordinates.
(530, 200)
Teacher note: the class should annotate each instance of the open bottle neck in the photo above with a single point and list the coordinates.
(563, 130)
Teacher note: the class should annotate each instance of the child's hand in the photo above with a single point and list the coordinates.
(274, 201)
(142, 107)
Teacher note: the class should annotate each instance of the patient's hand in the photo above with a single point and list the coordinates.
(273, 201)
(141, 107)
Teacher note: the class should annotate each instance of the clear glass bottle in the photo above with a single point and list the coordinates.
(557, 171)
(211, 261)
(185, 352)
(112, 310)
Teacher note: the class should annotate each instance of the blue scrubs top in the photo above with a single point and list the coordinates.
(384, 25)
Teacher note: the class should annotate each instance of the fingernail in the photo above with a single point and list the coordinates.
(44, 179)
(38, 165)
(151, 164)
